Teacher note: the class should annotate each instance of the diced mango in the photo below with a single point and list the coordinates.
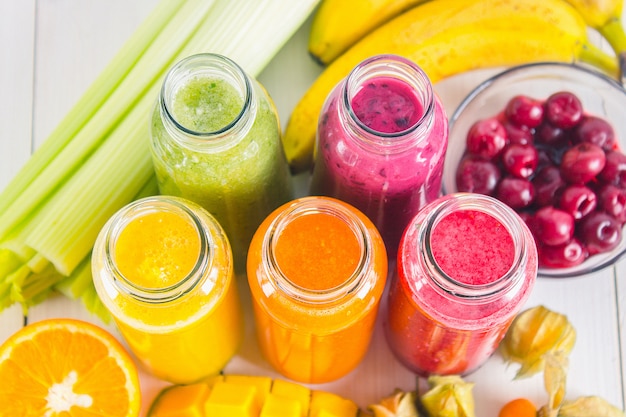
(292, 390)
(232, 400)
(280, 406)
(263, 385)
(181, 401)
(326, 404)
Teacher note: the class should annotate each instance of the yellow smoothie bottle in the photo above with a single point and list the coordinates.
(163, 267)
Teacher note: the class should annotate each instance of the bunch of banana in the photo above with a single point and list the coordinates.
(447, 37)
(338, 24)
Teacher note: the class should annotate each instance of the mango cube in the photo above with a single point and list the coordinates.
(286, 389)
(263, 385)
(279, 406)
(181, 401)
(232, 400)
(326, 404)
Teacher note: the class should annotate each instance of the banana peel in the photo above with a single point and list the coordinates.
(449, 37)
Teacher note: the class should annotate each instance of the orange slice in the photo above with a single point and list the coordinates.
(69, 368)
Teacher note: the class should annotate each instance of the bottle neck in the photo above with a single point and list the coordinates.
(121, 284)
(209, 66)
(454, 289)
(397, 68)
(354, 285)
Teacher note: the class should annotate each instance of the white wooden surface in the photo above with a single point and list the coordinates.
(51, 50)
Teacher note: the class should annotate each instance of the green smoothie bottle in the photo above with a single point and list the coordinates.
(216, 141)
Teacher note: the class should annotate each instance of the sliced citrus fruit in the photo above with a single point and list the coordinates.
(69, 368)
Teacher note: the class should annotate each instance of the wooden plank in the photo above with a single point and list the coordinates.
(17, 31)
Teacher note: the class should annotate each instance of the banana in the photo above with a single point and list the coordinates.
(446, 37)
(598, 13)
(338, 24)
(606, 17)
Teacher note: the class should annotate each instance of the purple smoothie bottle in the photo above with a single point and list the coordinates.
(381, 142)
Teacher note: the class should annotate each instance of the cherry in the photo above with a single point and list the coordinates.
(563, 110)
(614, 171)
(581, 163)
(518, 134)
(520, 160)
(553, 226)
(612, 200)
(601, 232)
(578, 200)
(593, 129)
(547, 184)
(567, 255)
(549, 134)
(486, 138)
(476, 175)
(517, 193)
(522, 110)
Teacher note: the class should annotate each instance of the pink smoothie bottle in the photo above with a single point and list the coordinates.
(466, 265)
(381, 141)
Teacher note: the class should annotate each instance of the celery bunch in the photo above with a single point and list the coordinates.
(97, 159)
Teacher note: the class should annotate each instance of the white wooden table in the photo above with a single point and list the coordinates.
(51, 50)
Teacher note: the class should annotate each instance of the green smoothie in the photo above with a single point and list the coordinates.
(231, 163)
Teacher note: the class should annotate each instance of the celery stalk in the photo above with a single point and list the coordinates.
(92, 99)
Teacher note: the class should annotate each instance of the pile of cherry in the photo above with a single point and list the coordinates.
(559, 167)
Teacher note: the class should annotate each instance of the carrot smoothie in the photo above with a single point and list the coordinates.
(317, 269)
(164, 269)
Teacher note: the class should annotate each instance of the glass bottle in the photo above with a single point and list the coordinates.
(382, 138)
(216, 141)
(317, 268)
(466, 265)
(163, 268)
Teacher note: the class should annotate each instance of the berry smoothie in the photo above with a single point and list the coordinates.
(461, 279)
(381, 145)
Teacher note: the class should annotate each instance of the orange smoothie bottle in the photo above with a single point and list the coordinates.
(163, 267)
(317, 268)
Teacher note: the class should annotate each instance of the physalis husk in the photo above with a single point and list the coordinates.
(534, 333)
(590, 406)
(400, 404)
(449, 396)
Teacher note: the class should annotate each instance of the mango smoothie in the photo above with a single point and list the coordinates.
(317, 269)
(164, 269)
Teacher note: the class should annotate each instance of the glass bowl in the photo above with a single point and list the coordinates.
(599, 94)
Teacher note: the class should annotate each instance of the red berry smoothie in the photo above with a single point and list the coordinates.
(381, 144)
(463, 274)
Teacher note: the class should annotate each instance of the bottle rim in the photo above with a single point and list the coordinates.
(403, 69)
(135, 210)
(214, 65)
(453, 288)
(352, 285)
